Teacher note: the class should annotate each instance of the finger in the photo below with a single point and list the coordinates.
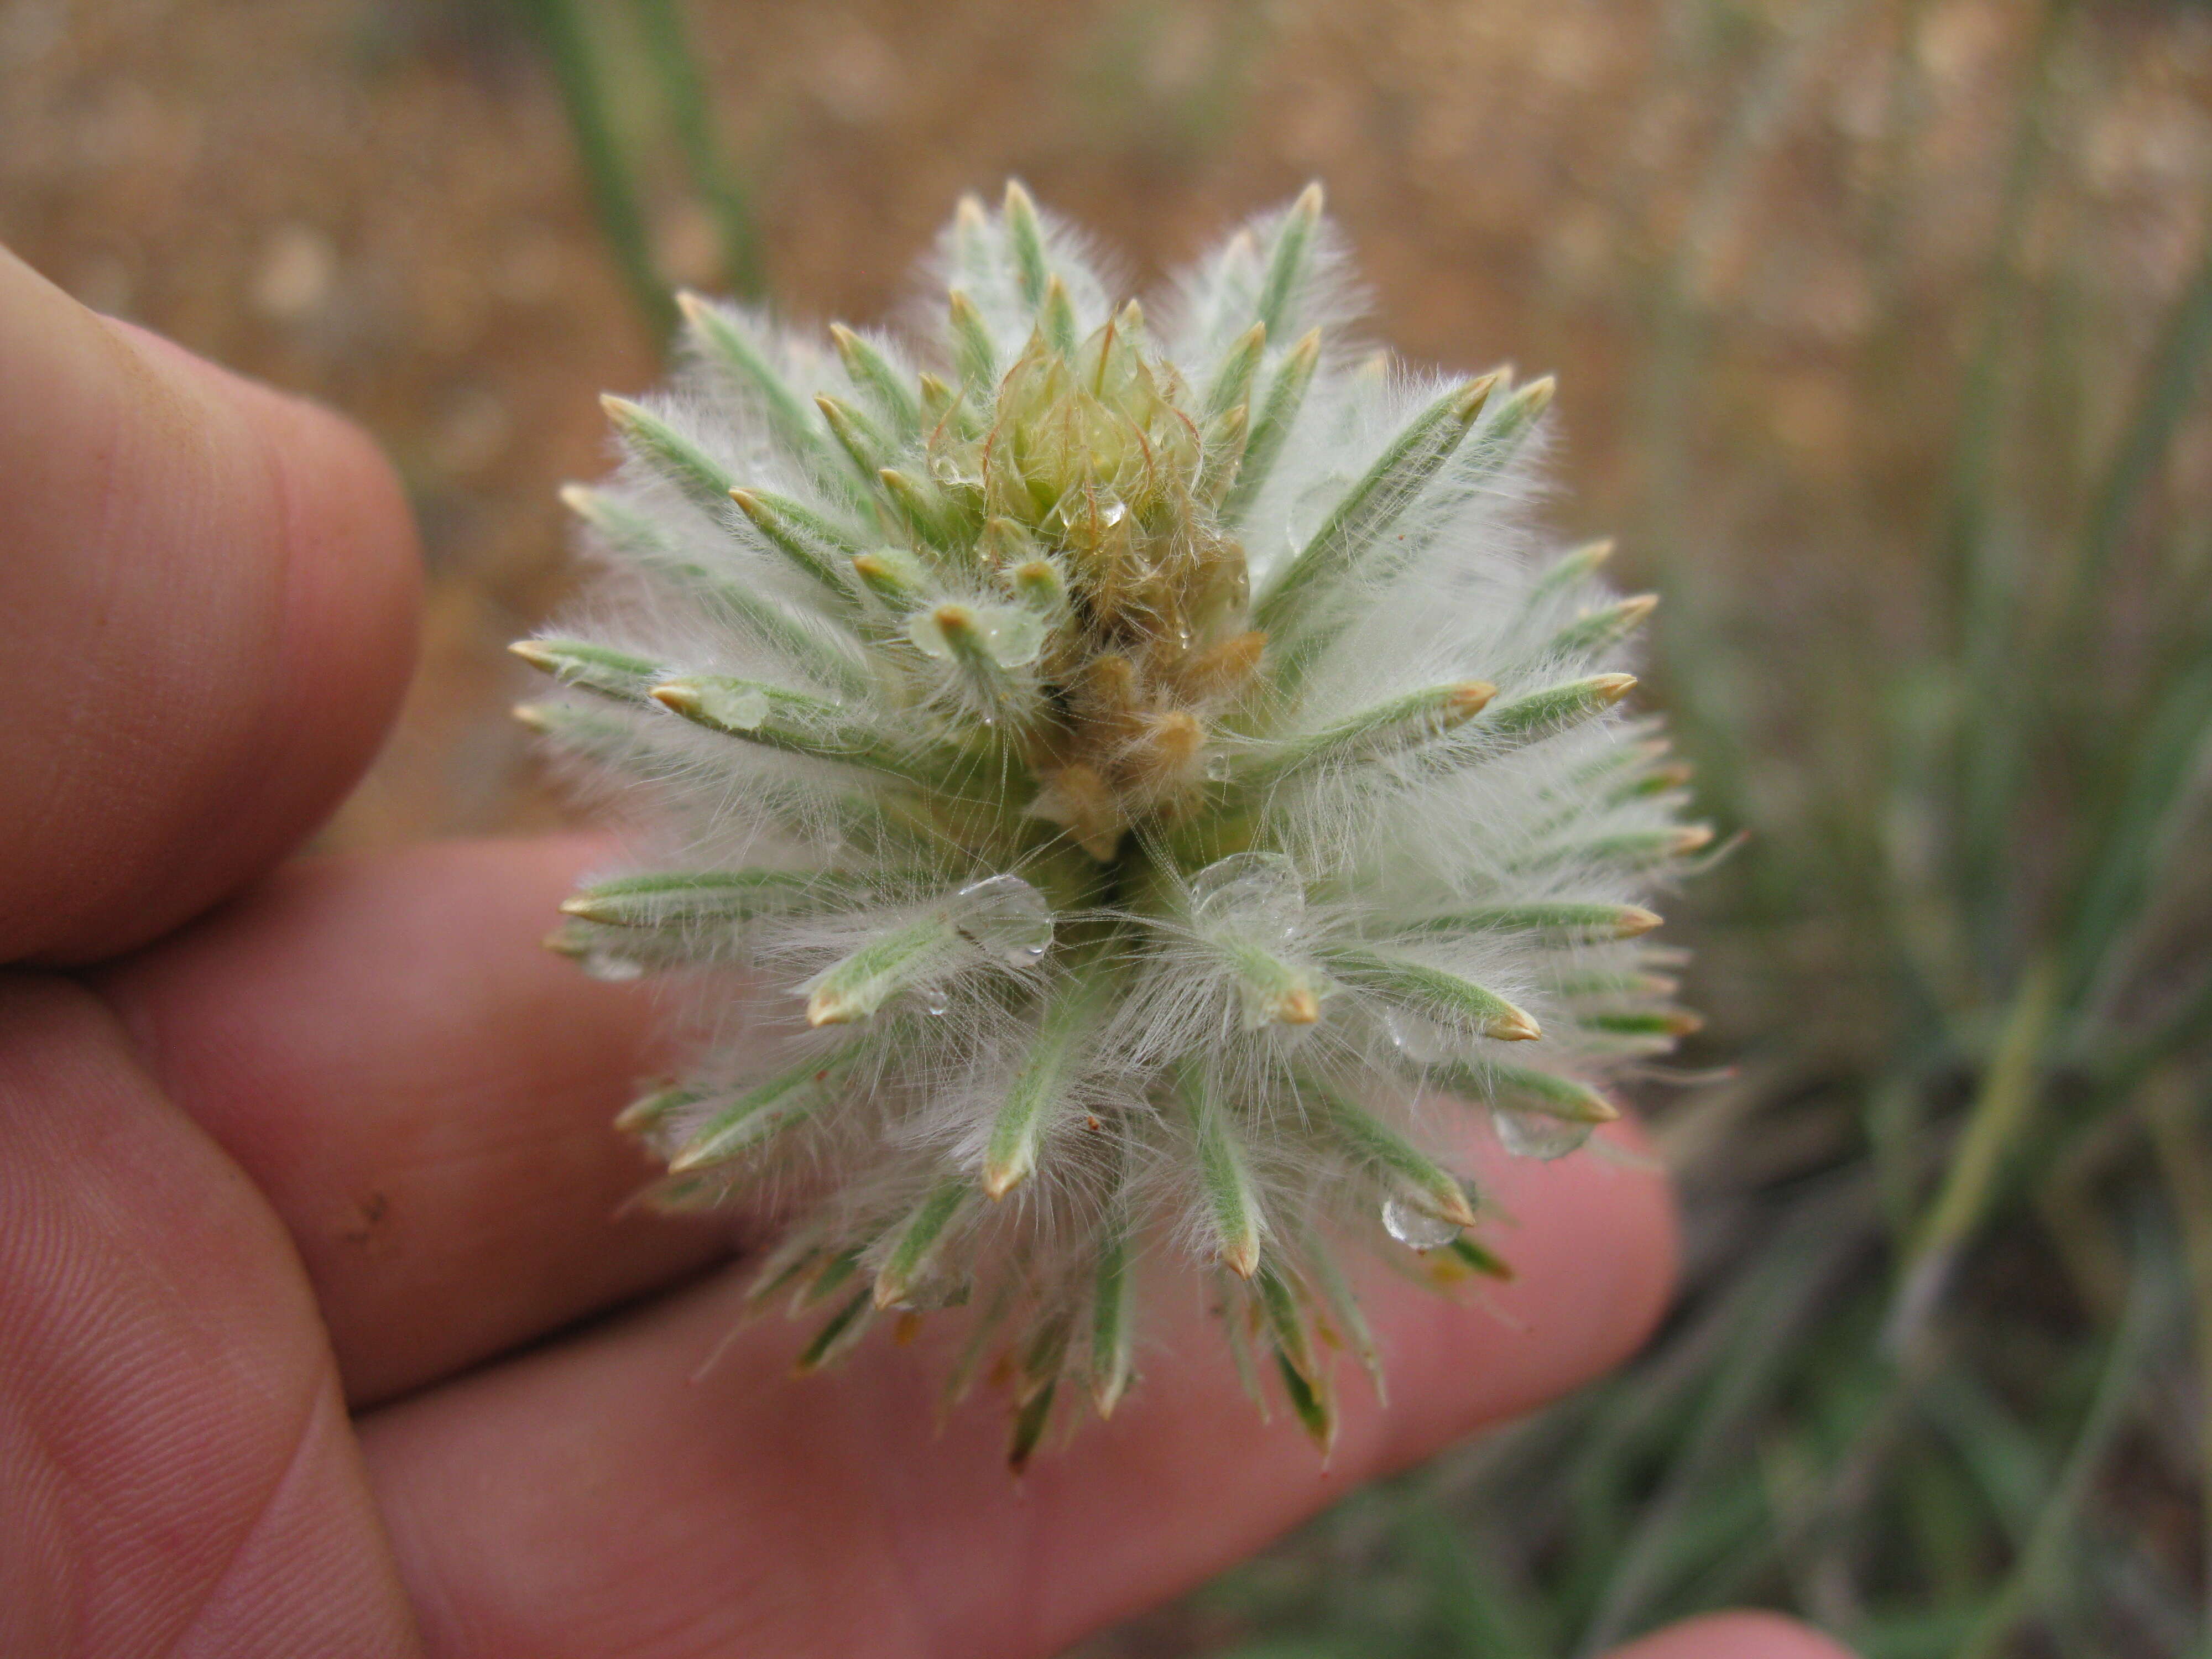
(423, 1092)
(210, 595)
(178, 1473)
(1734, 1635)
(603, 1497)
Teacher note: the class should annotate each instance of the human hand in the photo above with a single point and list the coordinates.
(319, 1331)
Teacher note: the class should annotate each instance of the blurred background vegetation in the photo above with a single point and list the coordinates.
(1881, 327)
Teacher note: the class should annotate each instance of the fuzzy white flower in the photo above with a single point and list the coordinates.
(1118, 786)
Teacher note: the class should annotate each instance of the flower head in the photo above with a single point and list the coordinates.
(1117, 787)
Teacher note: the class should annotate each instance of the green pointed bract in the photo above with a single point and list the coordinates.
(1039, 1084)
(1403, 1166)
(731, 345)
(1288, 260)
(1113, 1317)
(1232, 1204)
(729, 1131)
(667, 898)
(589, 667)
(703, 479)
(1366, 515)
(1095, 826)
(897, 404)
(1279, 413)
(917, 1241)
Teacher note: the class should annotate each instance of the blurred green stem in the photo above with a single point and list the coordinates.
(690, 112)
(583, 91)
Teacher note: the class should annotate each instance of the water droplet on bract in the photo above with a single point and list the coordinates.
(1413, 1228)
(1012, 634)
(1421, 1041)
(744, 709)
(1114, 514)
(934, 1003)
(1004, 917)
(1218, 768)
(611, 966)
(1533, 1134)
(931, 1288)
(1259, 894)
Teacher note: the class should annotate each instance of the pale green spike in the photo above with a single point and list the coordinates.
(1225, 437)
(809, 541)
(1457, 999)
(893, 575)
(1310, 1402)
(865, 445)
(879, 379)
(1399, 724)
(788, 721)
(1286, 262)
(1278, 412)
(1524, 1088)
(1344, 1308)
(1641, 850)
(589, 734)
(1113, 1316)
(835, 1274)
(1546, 714)
(839, 1334)
(670, 898)
(918, 1238)
(926, 508)
(1426, 1184)
(1603, 628)
(855, 986)
(1017, 1131)
(1669, 1022)
(975, 353)
(1274, 989)
(760, 1113)
(1564, 921)
(1567, 572)
(1232, 380)
(724, 341)
(1025, 244)
(808, 649)
(594, 668)
(703, 479)
(1286, 1323)
(1038, 584)
(1031, 1417)
(1232, 1205)
(1056, 319)
(647, 1112)
(1367, 512)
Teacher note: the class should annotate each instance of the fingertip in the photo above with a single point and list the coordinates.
(212, 590)
(1749, 1635)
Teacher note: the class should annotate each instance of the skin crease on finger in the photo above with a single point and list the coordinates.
(608, 1495)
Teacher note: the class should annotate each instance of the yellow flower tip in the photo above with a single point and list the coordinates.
(1685, 1023)
(1467, 699)
(1636, 609)
(999, 1179)
(1515, 1025)
(561, 943)
(1602, 1110)
(691, 304)
(1310, 201)
(1242, 1257)
(533, 653)
(1307, 349)
(1105, 1397)
(531, 716)
(579, 499)
(1690, 838)
(621, 410)
(1299, 1007)
(969, 211)
(1635, 922)
(1537, 394)
(1597, 552)
(1018, 200)
(677, 696)
(831, 1007)
(1132, 318)
(581, 905)
(1613, 687)
(958, 303)
(1474, 396)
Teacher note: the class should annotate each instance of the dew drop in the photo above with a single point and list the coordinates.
(1218, 768)
(1533, 1134)
(934, 1003)
(611, 966)
(1005, 918)
(1413, 1228)
(1259, 894)
(1421, 1041)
